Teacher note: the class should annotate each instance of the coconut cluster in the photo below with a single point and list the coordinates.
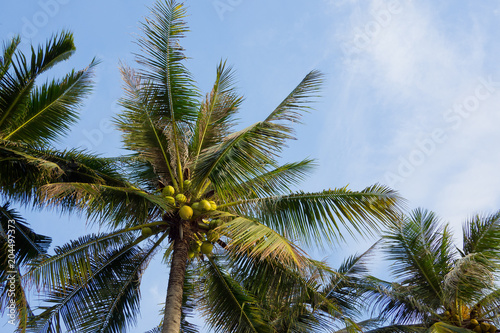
(203, 243)
(471, 322)
(203, 240)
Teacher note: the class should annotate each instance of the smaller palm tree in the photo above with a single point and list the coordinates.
(34, 114)
(440, 288)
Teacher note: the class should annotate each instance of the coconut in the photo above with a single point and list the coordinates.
(168, 191)
(190, 254)
(213, 205)
(207, 247)
(196, 206)
(186, 213)
(485, 327)
(215, 223)
(474, 322)
(205, 205)
(181, 198)
(493, 329)
(194, 246)
(187, 183)
(213, 236)
(170, 200)
(146, 232)
(477, 329)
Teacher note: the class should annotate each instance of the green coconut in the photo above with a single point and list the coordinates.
(170, 200)
(474, 322)
(187, 183)
(196, 206)
(168, 191)
(146, 232)
(477, 329)
(485, 327)
(205, 205)
(191, 254)
(194, 246)
(207, 247)
(186, 213)
(213, 205)
(180, 198)
(493, 329)
(216, 223)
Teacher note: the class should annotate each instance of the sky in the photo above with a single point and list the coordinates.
(411, 96)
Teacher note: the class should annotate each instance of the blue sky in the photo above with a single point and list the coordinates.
(411, 98)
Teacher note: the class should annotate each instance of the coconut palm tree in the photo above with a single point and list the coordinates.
(190, 183)
(440, 287)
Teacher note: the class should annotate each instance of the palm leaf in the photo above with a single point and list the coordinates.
(51, 108)
(215, 117)
(15, 88)
(106, 297)
(246, 154)
(227, 306)
(313, 217)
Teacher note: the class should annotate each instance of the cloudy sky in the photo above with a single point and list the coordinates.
(411, 98)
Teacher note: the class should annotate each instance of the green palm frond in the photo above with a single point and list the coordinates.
(162, 62)
(217, 111)
(19, 246)
(227, 306)
(24, 169)
(314, 217)
(143, 129)
(441, 327)
(106, 297)
(482, 234)
(7, 52)
(260, 241)
(51, 108)
(16, 85)
(274, 182)
(123, 206)
(395, 302)
(422, 254)
(248, 153)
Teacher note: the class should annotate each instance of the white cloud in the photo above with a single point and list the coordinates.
(414, 65)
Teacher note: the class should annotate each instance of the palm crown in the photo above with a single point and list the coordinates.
(440, 287)
(190, 179)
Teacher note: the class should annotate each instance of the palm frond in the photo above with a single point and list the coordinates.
(248, 153)
(15, 88)
(217, 111)
(227, 306)
(143, 129)
(273, 182)
(107, 298)
(122, 206)
(313, 217)
(260, 241)
(422, 253)
(51, 108)
(482, 234)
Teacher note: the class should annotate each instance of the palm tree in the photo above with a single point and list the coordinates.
(32, 116)
(190, 183)
(440, 288)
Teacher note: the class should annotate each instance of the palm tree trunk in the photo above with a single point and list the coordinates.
(173, 304)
